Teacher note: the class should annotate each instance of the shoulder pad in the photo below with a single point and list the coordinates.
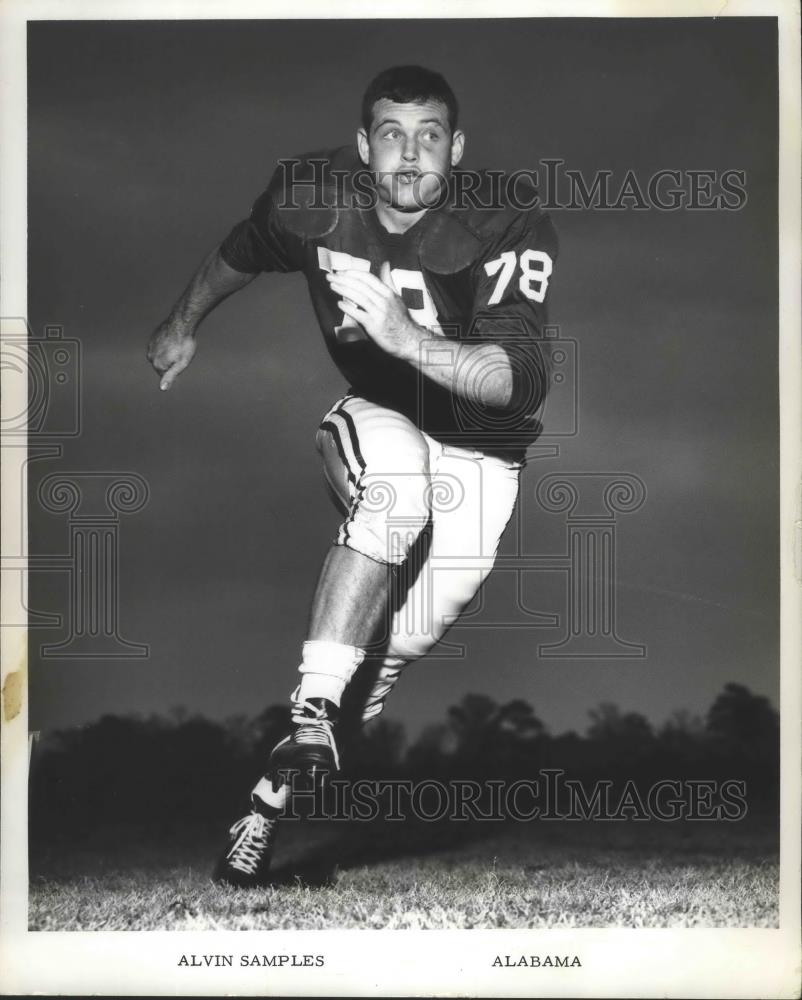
(304, 190)
(448, 246)
(487, 202)
(478, 213)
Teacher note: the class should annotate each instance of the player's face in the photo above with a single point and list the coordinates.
(410, 148)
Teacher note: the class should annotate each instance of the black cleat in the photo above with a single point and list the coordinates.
(247, 860)
(311, 751)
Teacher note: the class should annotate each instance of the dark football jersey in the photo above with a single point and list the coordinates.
(474, 270)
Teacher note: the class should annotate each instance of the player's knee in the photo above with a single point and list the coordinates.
(377, 464)
(387, 514)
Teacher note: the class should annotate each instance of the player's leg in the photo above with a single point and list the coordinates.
(376, 462)
(350, 601)
(351, 598)
(472, 502)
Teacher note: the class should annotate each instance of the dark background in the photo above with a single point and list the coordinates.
(149, 140)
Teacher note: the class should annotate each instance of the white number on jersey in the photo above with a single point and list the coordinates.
(335, 260)
(536, 267)
(426, 315)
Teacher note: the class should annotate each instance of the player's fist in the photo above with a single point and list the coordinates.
(378, 308)
(170, 350)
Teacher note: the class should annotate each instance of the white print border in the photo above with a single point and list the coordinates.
(614, 962)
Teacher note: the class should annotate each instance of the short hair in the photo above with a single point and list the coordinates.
(408, 85)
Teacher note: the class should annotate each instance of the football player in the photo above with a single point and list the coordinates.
(430, 288)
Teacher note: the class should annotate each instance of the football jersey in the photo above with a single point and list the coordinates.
(467, 272)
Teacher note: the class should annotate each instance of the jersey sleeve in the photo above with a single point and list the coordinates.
(262, 242)
(511, 287)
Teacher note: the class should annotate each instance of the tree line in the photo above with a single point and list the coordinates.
(163, 772)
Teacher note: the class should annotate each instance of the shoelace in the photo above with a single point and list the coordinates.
(316, 730)
(253, 836)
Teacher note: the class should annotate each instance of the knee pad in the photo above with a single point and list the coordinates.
(377, 465)
(388, 512)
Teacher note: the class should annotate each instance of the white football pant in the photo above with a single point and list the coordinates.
(436, 511)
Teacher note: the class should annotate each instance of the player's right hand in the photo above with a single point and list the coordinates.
(170, 350)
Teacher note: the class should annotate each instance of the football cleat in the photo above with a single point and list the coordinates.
(311, 751)
(247, 860)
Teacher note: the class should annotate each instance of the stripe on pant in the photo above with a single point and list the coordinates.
(343, 430)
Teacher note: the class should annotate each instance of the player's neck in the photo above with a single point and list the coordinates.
(395, 221)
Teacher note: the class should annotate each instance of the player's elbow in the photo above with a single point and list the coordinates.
(527, 380)
(498, 393)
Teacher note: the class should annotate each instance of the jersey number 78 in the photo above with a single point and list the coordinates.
(536, 267)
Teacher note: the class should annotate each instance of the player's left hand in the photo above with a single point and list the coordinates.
(378, 308)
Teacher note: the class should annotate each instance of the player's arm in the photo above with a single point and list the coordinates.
(481, 373)
(258, 243)
(376, 305)
(172, 345)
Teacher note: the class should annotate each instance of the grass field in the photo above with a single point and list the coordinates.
(518, 875)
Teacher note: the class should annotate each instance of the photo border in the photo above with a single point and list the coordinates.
(702, 962)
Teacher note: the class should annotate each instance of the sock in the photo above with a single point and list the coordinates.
(326, 669)
(263, 795)
(386, 679)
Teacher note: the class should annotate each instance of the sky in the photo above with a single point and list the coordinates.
(148, 141)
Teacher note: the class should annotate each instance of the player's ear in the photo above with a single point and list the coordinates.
(457, 147)
(362, 146)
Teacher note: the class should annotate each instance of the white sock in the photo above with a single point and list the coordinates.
(386, 680)
(264, 791)
(326, 669)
